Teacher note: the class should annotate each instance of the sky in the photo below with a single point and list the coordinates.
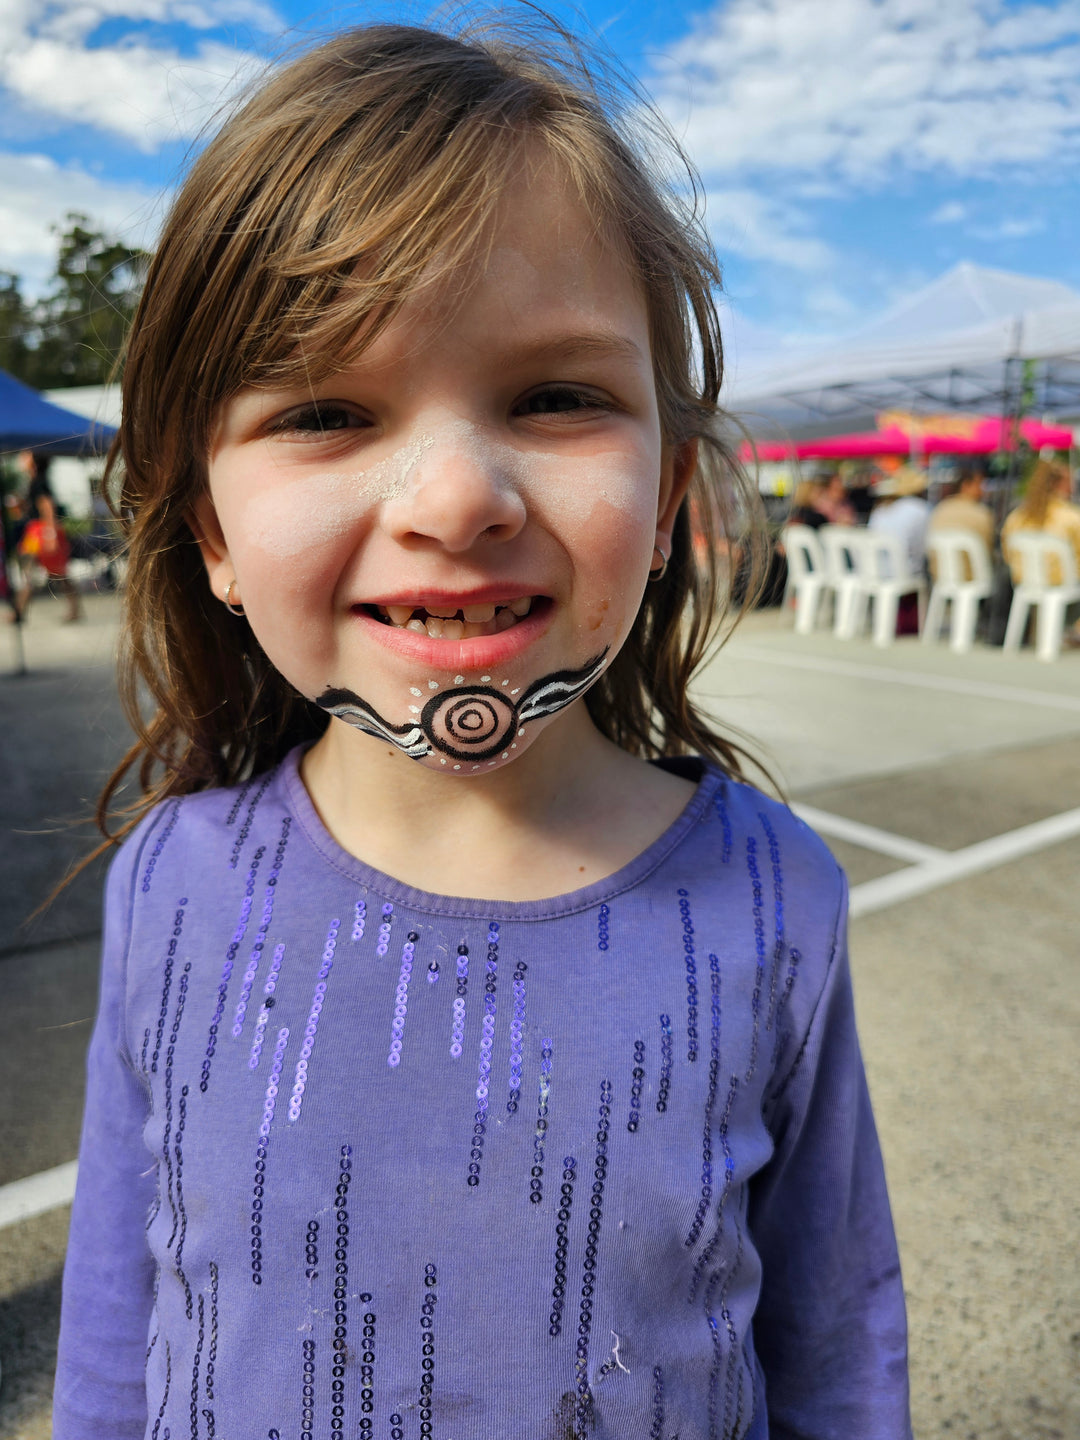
(851, 151)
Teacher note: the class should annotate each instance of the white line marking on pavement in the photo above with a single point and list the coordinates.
(952, 684)
(23, 1199)
(955, 865)
(869, 837)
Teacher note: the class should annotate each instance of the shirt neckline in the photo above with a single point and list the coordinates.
(708, 780)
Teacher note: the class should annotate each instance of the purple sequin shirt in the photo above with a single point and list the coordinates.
(364, 1161)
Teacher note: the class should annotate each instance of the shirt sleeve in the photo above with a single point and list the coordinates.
(100, 1390)
(830, 1330)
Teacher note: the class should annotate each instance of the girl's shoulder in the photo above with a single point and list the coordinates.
(179, 829)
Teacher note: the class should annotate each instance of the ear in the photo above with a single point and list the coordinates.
(203, 523)
(677, 470)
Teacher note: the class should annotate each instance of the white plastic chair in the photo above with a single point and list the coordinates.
(807, 575)
(842, 545)
(882, 561)
(963, 578)
(1036, 590)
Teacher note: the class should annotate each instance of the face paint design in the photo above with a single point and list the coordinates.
(469, 722)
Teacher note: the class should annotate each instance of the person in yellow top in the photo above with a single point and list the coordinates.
(1046, 507)
(966, 510)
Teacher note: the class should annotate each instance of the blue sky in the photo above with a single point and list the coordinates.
(851, 150)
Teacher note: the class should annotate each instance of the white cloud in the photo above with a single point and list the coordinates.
(951, 213)
(1016, 228)
(861, 89)
(36, 193)
(144, 93)
(747, 222)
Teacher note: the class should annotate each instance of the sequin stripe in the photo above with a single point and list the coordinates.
(265, 921)
(427, 1349)
(666, 1056)
(714, 1075)
(637, 1085)
(211, 1358)
(197, 1361)
(245, 829)
(517, 1033)
(237, 940)
(311, 1250)
(382, 944)
(461, 990)
(367, 1370)
(159, 845)
(261, 1151)
(307, 1391)
(704, 1260)
(733, 1388)
(179, 1154)
(656, 1430)
(720, 806)
(778, 923)
(165, 1397)
(341, 1291)
(166, 1138)
(562, 1245)
(487, 1041)
(691, 976)
(401, 999)
(166, 986)
(603, 933)
(543, 1095)
(268, 1004)
(783, 1037)
(238, 803)
(584, 1407)
(359, 920)
(296, 1099)
(143, 1052)
(759, 950)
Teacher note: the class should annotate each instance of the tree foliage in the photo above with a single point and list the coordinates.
(73, 334)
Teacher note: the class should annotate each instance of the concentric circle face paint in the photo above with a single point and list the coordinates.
(470, 723)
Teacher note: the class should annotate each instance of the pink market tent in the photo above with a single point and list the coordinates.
(982, 437)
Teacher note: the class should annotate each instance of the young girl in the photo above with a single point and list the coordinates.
(458, 1073)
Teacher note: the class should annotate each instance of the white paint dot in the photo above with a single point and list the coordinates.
(506, 682)
(459, 679)
(522, 730)
(433, 684)
(485, 677)
(441, 761)
(414, 709)
(515, 690)
(457, 767)
(506, 755)
(514, 745)
(414, 691)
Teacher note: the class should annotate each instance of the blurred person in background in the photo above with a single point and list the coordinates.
(902, 510)
(1047, 508)
(965, 509)
(43, 540)
(822, 501)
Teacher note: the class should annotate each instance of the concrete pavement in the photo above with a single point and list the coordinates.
(967, 992)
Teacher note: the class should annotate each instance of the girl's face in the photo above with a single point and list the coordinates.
(445, 543)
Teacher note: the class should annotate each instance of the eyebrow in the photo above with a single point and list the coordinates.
(590, 344)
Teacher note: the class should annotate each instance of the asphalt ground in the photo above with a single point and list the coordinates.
(949, 788)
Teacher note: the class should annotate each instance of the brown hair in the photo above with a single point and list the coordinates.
(388, 145)
(1043, 483)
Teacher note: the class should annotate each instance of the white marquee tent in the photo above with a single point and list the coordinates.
(974, 339)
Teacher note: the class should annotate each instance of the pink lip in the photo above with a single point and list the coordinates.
(483, 652)
(443, 599)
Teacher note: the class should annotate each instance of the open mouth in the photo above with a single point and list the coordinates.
(440, 622)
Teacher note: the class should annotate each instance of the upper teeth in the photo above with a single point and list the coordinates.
(465, 622)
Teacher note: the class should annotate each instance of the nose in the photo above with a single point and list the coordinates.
(461, 489)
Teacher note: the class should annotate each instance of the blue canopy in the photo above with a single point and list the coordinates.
(29, 422)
